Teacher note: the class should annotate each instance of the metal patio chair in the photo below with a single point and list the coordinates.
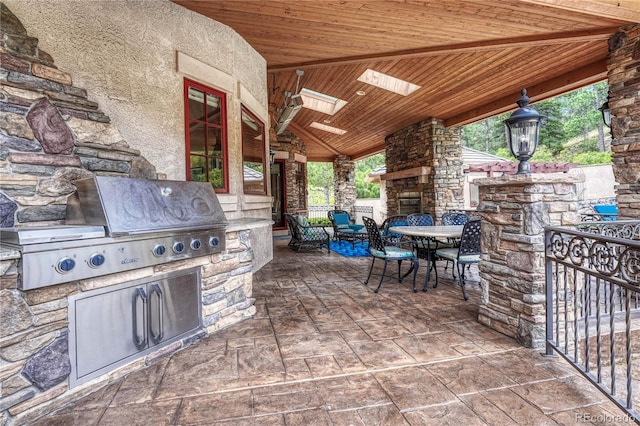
(392, 237)
(304, 235)
(467, 253)
(344, 227)
(379, 250)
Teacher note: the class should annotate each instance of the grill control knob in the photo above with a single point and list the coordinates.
(159, 250)
(178, 247)
(196, 244)
(96, 260)
(65, 265)
(214, 241)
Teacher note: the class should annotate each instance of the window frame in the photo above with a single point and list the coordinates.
(223, 131)
(265, 169)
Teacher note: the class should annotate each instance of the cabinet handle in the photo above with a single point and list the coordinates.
(155, 289)
(140, 330)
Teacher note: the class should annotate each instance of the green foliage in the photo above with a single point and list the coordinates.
(592, 158)
(575, 114)
(320, 183)
(324, 221)
(363, 168)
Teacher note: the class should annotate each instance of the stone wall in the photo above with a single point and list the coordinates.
(514, 210)
(624, 100)
(52, 134)
(344, 189)
(425, 159)
(289, 146)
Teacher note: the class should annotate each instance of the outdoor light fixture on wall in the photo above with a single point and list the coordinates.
(523, 129)
(272, 156)
(292, 104)
(606, 114)
(347, 175)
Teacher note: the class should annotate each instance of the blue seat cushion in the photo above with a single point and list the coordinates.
(356, 228)
(609, 210)
(392, 252)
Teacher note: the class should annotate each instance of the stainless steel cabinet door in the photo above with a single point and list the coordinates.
(173, 307)
(106, 328)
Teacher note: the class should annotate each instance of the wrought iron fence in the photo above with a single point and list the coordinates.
(593, 305)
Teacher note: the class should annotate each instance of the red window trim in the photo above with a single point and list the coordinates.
(223, 127)
(264, 155)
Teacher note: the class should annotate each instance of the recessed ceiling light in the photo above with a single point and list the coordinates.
(326, 128)
(388, 82)
(320, 102)
(326, 121)
(361, 93)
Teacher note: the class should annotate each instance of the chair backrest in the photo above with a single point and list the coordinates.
(294, 226)
(450, 218)
(397, 220)
(470, 239)
(375, 239)
(419, 219)
(342, 221)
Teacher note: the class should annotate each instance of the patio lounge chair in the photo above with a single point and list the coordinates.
(379, 250)
(344, 228)
(468, 253)
(304, 235)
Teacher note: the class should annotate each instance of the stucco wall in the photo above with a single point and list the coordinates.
(126, 54)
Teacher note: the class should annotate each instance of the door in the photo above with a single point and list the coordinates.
(174, 307)
(278, 185)
(106, 326)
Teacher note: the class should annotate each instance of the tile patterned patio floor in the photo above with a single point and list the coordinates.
(323, 349)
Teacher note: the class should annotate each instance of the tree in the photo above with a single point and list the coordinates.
(320, 183)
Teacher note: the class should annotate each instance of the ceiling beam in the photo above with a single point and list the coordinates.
(625, 10)
(513, 42)
(575, 79)
(307, 137)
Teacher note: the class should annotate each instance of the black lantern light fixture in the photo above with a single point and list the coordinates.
(272, 155)
(523, 129)
(606, 114)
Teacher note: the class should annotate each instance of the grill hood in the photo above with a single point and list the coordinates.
(130, 206)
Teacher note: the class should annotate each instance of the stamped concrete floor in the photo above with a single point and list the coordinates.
(323, 349)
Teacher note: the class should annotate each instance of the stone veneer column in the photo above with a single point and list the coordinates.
(624, 100)
(296, 149)
(425, 158)
(344, 189)
(515, 209)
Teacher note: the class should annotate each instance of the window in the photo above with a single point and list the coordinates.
(253, 154)
(206, 135)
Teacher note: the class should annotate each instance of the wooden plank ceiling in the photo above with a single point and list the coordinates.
(471, 58)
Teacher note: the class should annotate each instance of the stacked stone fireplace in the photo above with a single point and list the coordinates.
(424, 162)
(52, 134)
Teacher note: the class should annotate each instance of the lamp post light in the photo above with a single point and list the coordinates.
(523, 129)
(606, 114)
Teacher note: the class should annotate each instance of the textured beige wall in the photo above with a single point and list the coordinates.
(125, 54)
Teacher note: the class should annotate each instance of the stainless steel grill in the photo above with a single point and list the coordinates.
(115, 224)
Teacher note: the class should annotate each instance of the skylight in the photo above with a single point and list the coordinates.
(326, 128)
(320, 102)
(388, 82)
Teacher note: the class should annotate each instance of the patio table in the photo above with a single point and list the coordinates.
(429, 233)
